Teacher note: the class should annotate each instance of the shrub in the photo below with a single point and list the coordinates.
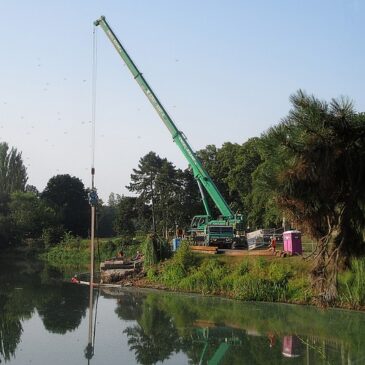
(184, 257)
(243, 268)
(352, 284)
(52, 235)
(299, 289)
(149, 251)
(152, 274)
(172, 275)
(206, 278)
(252, 288)
(70, 240)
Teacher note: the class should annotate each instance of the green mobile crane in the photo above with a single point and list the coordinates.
(228, 227)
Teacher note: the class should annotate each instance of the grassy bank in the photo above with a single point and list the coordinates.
(253, 278)
(249, 278)
(268, 279)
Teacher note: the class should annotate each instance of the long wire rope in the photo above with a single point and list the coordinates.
(93, 202)
(93, 102)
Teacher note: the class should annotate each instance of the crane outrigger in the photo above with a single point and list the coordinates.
(228, 226)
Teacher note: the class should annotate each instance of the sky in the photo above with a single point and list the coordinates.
(224, 70)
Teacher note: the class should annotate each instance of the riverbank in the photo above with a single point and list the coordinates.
(261, 279)
(268, 279)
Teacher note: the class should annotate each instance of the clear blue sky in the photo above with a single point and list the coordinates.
(223, 69)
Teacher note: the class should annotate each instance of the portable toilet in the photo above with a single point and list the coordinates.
(175, 244)
(292, 242)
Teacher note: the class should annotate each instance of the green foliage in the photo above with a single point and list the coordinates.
(13, 174)
(172, 275)
(152, 274)
(52, 235)
(207, 278)
(178, 267)
(126, 215)
(67, 196)
(149, 251)
(310, 173)
(166, 196)
(30, 214)
(243, 268)
(352, 284)
(73, 250)
(105, 220)
(155, 249)
(184, 257)
(254, 280)
(299, 289)
(13, 178)
(231, 168)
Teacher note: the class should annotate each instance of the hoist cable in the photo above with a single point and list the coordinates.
(93, 102)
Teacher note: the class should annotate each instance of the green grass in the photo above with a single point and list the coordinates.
(74, 251)
(245, 278)
(269, 279)
(352, 284)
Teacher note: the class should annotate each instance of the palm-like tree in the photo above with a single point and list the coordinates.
(320, 151)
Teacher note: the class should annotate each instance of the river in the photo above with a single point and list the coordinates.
(45, 320)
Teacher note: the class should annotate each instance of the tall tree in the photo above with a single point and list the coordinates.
(13, 177)
(317, 158)
(209, 157)
(168, 186)
(167, 195)
(191, 203)
(67, 195)
(13, 174)
(144, 181)
(30, 215)
(126, 215)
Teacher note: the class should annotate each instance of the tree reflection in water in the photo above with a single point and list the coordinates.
(155, 337)
(10, 330)
(28, 286)
(62, 307)
(239, 333)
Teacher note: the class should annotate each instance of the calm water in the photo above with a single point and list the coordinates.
(46, 321)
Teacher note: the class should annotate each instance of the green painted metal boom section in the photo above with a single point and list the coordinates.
(200, 174)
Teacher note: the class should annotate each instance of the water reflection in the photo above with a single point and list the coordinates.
(210, 330)
(27, 287)
(150, 327)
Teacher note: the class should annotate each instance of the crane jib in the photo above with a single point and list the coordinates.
(199, 171)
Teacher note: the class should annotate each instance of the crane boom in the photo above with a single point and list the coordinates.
(200, 174)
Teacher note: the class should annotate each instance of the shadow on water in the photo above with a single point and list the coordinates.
(157, 326)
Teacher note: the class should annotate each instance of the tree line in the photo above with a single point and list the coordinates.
(27, 214)
(308, 168)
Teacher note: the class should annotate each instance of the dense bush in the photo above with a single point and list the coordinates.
(352, 284)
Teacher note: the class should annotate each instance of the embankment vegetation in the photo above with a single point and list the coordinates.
(254, 278)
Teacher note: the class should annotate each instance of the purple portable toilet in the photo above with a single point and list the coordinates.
(292, 242)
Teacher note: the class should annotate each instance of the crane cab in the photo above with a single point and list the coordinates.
(210, 232)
